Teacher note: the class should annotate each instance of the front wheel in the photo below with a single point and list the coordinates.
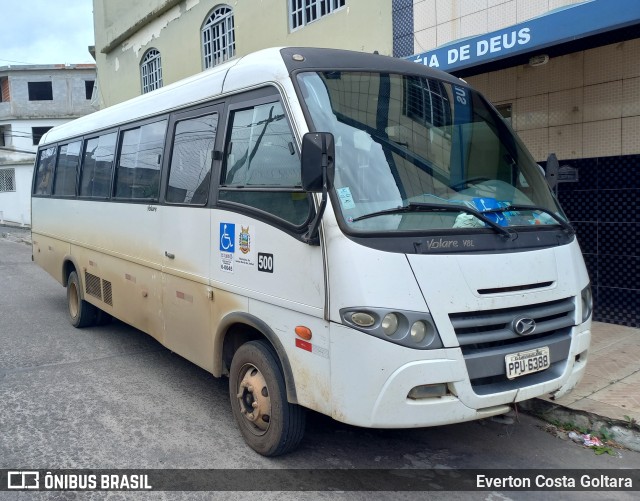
(81, 313)
(269, 424)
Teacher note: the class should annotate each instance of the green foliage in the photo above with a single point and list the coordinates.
(631, 422)
(604, 434)
(599, 450)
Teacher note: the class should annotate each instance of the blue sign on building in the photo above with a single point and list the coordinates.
(554, 28)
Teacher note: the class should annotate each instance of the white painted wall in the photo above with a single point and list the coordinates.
(15, 206)
(21, 133)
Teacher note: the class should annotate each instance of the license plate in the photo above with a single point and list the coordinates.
(527, 362)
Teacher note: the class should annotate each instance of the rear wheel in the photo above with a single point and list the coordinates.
(269, 424)
(81, 313)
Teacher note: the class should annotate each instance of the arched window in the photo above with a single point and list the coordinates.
(151, 71)
(218, 37)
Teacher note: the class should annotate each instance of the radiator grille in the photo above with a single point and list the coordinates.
(485, 329)
(485, 337)
(92, 284)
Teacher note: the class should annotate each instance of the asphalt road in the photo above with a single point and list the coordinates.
(112, 397)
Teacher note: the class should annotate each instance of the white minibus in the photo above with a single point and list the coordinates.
(345, 232)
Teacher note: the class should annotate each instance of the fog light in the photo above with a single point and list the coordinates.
(428, 391)
(363, 319)
(390, 324)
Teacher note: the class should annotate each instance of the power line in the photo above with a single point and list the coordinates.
(17, 151)
(18, 62)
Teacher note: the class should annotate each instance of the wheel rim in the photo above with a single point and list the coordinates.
(74, 300)
(254, 399)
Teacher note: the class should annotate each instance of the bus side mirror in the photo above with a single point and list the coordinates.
(551, 173)
(318, 153)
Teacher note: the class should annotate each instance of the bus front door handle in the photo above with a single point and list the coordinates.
(169, 255)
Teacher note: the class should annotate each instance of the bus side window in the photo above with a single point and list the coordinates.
(139, 161)
(190, 168)
(261, 168)
(44, 172)
(67, 170)
(95, 178)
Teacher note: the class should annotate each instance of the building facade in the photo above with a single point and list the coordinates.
(566, 74)
(34, 99)
(141, 46)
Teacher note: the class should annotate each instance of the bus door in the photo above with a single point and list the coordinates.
(258, 250)
(186, 235)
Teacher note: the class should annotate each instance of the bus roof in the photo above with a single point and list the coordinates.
(267, 65)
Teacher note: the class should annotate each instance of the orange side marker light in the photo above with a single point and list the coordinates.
(303, 332)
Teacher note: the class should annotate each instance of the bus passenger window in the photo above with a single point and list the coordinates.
(44, 173)
(138, 168)
(261, 156)
(190, 169)
(67, 170)
(95, 178)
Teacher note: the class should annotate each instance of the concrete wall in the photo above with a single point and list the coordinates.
(69, 95)
(18, 116)
(125, 30)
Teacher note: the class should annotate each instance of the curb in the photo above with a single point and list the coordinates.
(621, 432)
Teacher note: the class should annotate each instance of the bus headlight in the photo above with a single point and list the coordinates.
(413, 329)
(418, 332)
(390, 324)
(587, 303)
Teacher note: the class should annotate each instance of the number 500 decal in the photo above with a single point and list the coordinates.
(265, 262)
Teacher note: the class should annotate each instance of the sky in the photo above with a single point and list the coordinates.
(45, 31)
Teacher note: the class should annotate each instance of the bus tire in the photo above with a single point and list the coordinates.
(269, 424)
(81, 313)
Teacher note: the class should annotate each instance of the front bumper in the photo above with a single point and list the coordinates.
(371, 378)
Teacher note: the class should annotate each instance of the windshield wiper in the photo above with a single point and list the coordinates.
(425, 207)
(565, 226)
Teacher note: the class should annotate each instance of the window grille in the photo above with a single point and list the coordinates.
(427, 101)
(218, 36)
(151, 71)
(7, 180)
(303, 12)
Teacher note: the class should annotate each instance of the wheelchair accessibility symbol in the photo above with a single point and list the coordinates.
(227, 237)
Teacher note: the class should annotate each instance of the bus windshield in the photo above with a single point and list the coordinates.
(416, 154)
